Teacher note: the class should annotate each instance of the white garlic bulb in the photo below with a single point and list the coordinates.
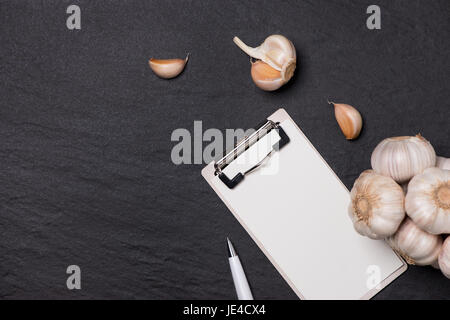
(279, 61)
(428, 200)
(401, 158)
(444, 258)
(376, 207)
(415, 245)
(443, 163)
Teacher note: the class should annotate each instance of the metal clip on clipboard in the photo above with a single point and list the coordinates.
(243, 145)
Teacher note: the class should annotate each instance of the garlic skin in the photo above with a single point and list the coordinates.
(376, 208)
(443, 163)
(168, 68)
(415, 245)
(265, 77)
(401, 158)
(444, 258)
(428, 200)
(349, 120)
(277, 51)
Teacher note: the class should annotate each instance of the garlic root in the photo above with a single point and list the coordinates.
(376, 208)
(349, 119)
(168, 68)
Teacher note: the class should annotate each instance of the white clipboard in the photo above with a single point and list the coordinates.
(294, 207)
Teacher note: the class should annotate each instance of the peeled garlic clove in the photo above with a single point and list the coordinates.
(277, 51)
(428, 200)
(444, 258)
(443, 163)
(401, 158)
(266, 77)
(167, 68)
(415, 245)
(349, 120)
(376, 207)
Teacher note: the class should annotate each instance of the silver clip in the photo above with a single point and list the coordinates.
(244, 144)
(256, 166)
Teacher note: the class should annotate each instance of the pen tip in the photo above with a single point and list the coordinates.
(231, 252)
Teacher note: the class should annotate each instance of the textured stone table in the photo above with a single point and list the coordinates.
(85, 133)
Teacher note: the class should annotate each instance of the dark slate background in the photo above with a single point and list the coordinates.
(85, 133)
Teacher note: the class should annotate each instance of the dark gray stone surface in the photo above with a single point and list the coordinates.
(85, 126)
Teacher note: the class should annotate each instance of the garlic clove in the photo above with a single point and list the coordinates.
(266, 77)
(376, 208)
(277, 51)
(168, 68)
(415, 245)
(401, 158)
(444, 258)
(349, 120)
(443, 163)
(428, 200)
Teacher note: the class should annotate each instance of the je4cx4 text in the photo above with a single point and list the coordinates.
(248, 309)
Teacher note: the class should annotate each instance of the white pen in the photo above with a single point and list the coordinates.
(239, 278)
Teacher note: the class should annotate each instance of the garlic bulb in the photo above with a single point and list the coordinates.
(444, 258)
(348, 118)
(401, 158)
(428, 200)
(376, 207)
(266, 77)
(443, 163)
(278, 53)
(168, 68)
(415, 245)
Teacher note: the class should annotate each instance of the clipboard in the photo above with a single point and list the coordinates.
(294, 207)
